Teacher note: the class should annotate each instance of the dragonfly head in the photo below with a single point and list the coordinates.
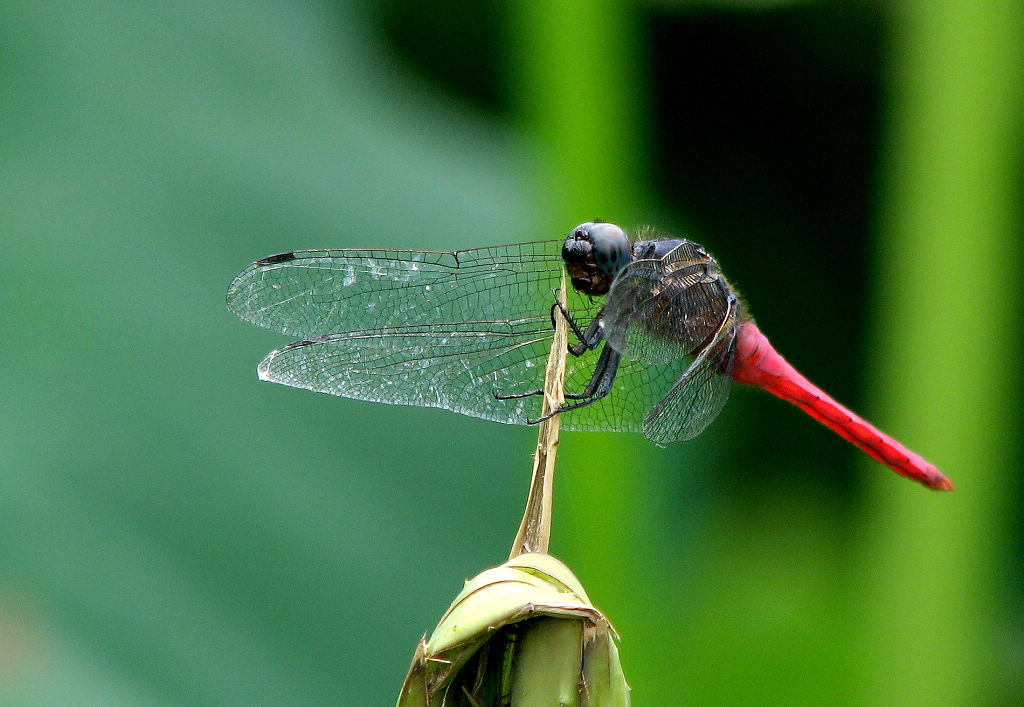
(594, 254)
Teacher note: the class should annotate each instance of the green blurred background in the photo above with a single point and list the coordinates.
(173, 532)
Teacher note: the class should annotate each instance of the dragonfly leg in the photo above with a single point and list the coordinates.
(607, 365)
(589, 339)
(599, 386)
(514, 396)
(540, 391)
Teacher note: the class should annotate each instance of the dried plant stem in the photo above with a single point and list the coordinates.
(535, 529)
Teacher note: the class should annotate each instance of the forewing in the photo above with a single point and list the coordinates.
(317, 292)
(664, 309)
(700, 394)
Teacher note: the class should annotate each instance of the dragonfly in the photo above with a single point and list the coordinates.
(660, 335)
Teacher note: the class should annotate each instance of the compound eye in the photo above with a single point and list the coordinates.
(582, 231)
(611, 248)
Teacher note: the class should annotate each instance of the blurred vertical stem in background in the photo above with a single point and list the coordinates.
(576, 77)
(948, 323)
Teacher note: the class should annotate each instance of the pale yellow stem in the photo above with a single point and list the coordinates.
(535, 530)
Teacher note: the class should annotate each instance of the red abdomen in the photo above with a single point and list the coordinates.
(757, 363)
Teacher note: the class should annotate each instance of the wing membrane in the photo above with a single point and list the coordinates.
(459, 367)
(700, 394)
(664, 309)
(447, 329)
(317, 292)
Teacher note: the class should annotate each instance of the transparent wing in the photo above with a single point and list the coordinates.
(460, 367)
(317, 292)
(434, 329)
(700, 394)
(664, 309)
(638, 387)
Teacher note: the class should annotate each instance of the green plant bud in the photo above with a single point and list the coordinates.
(522, 633)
